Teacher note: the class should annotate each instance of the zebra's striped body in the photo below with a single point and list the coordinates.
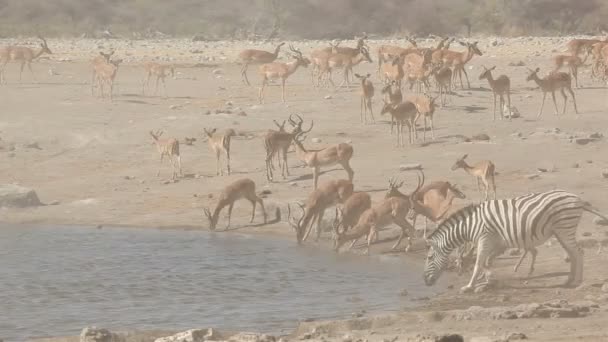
(521, 222)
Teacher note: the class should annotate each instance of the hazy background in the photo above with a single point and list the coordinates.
(224, 19)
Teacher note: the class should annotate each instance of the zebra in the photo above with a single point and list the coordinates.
(521, 222)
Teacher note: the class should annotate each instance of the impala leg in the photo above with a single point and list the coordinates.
(229, 214)
(179, 165)
(244, 74)
(283, 89)
(218, 168)
(554, 103)
(565, 100)
(253, 203)
(542, 105)
(406, 230)
(370, 238)
(161, 165)
(228, 160)
(21, 70)
(353, 243)
(362, 109)
(573, 99)
(315, 175)
(285, 165)
(29, 66)
(319, 225)
(494, 107)
(261, 93)
(164, 86)
(509, 104)
(371, 111)
(156, 85)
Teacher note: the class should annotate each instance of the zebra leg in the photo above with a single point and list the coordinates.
(568, 242)
(534, 252)
(484, 250)
(520, 260)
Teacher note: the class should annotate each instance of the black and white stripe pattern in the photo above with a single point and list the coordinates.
(521, 222)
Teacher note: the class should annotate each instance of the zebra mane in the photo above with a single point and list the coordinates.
(464, 211)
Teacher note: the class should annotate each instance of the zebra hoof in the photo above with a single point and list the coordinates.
(465, 289)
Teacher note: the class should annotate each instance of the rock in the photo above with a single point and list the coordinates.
(33, 144)
(546, 167)
(217, 72)
(600, 221)
(94, 334)
(515, 337)
(192, 335)
(532, 176)
(404, 293)
(605, 173)
(315, 140)
(481, 137)
(520, 63)
(596, 135)
(347, 338)
(328, 97)
(55, 202)
(450, 338)
(408, 167)
(583, 141)
(605, 287)
(586, 234)
(576, 165)
(517, 135)
(16, 196)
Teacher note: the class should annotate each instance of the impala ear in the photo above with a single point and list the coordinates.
(492, 68)
(537, 69)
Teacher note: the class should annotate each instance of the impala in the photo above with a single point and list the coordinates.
(251, 56)
(240, 189)
(219, 143)
(170, 148)
(23, 55)
(501, 86)
(483, 172)
(281, 71)
(550, 83)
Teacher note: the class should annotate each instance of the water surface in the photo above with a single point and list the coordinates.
(57, 280)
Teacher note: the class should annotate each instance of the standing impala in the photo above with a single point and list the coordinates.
(367, 93)
(160, 71)
(251, 56)
(501, 86)
(483, 172)
(458, 60)
(242, 188)
(278, 142)
(218, 143)
(550, 83)
(281, 71)
(170, 148)
(316, 159)
(23, 55)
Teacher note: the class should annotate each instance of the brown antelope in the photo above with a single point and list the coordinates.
(387, 53)
(598, 53)
(367, 93)
(392, 94)
(327, 195)
(501, 86)
(170, 148)
(268, 137)
(551, 83)
(342, 61)
(443, 78)
(433, 201)
(458, 60)
(418, 68)
(105, 74)
(242, 188)
(437, 56)
(325, 53)
(394, 71)
(576, 46)
(403, 114)
(278, 142)
(316, 159)
(281, 71)
(425, 104)
(572, 62)
(23, 55)
(103, 58)
(483, 172)
(251, 56)
(348, 214)
(391, 210)
(160, 71)
(219, 143)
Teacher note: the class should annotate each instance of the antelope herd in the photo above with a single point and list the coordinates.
(356, 215)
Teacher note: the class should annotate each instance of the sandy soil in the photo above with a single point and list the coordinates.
(97, 161)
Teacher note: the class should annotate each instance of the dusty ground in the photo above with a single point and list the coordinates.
(97, 161)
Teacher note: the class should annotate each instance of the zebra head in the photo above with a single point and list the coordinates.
(436, 261)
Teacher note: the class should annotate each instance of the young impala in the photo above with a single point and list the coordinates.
(483, 172)
(501, 86)
(170, 148)
(367, 93)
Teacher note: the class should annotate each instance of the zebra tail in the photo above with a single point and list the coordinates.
(589, 208)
